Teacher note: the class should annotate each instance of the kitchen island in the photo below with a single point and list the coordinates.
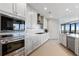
(73, 43)
(70, 41)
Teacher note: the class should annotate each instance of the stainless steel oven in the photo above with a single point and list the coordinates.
(12, 46)
(10, 43)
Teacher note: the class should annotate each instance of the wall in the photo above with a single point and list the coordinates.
(53, 28)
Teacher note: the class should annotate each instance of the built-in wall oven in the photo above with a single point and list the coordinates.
(8, 23)
(12, 46)
(9, 44)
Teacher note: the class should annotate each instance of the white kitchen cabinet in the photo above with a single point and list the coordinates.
(20, 9)
(77, 46)
(63, 38)
(17, 10)
(6, 7)
(28, 45)
(33, 41)
(73, 43)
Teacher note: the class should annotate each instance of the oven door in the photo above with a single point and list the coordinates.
(10, 47)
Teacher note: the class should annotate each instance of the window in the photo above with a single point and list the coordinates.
(73, 28)
(77, 27)
(70, 28)
(67, 28)
(62, 28)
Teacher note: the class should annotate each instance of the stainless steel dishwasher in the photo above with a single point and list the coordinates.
(71, 43)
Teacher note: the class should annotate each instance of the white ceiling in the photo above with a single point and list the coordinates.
(58, 10)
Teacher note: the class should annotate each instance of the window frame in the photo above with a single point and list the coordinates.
(74, 28)
(70, 24)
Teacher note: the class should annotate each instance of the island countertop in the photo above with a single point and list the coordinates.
(73, 35)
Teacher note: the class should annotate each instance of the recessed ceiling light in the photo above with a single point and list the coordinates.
(45, 8)
(67, 9)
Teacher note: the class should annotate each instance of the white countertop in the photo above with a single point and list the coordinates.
(73, 35)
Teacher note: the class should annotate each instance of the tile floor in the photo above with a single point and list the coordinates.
(52, 48)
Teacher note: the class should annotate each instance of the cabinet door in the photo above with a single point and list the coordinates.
(35, 42)
(71, 43)
(28, 44)
(7, 7)
(20, 9)
(64, 39)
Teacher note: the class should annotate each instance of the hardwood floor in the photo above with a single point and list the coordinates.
(52, 48)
